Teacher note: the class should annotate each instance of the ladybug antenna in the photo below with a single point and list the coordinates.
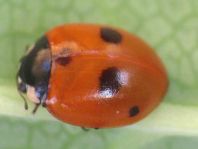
(25, 101)
(20, 93)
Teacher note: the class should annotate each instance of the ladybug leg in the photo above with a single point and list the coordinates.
(85, 129)
(41, 91)
(36, 108)
(42, 102)
(44, 105)
(28, 48)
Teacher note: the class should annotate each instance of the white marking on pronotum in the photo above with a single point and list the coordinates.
(32, 94)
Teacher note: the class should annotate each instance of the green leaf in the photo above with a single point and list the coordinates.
(170, 26)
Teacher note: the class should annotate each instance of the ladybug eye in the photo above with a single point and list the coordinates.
(21, 86)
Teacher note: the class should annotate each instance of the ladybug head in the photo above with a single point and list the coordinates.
(34, 73)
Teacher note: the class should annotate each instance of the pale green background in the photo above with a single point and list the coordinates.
(169, 26)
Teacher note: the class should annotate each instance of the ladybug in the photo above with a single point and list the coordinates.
(93, 76)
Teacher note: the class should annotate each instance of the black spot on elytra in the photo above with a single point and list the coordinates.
(109, 82)
(63, 60)
(133, 111)
(110, 35)
(25, 71)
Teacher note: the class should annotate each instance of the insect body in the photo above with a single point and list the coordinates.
(93, 76)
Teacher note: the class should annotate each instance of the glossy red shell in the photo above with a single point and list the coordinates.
(80, 55)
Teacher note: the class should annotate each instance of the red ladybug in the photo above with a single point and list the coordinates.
(93, 76)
